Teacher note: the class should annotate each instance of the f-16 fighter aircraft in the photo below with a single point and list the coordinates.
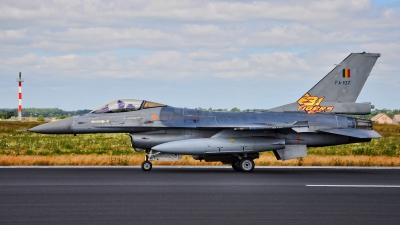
(166, 133)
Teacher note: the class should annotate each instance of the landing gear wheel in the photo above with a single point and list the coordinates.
(235, 166)
(146, 166)
(246, 165)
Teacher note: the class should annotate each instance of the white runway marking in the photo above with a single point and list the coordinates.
(351, 185)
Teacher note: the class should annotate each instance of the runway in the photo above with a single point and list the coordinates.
(199, 195)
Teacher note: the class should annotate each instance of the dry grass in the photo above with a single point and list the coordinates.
(327, 160)
(135, 160)
(87, 160)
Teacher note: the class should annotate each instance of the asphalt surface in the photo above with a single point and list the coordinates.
(170, 195)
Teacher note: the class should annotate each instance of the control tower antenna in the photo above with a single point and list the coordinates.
(20, 80)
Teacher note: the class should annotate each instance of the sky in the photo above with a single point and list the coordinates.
(220, 54)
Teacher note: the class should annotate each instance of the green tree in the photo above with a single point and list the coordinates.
(221, 110)
(235, 109)
(40, 118)
(9, 114)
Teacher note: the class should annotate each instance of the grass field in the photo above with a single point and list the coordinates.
(19, 147)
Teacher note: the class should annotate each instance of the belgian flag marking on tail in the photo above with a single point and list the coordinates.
(346, 73)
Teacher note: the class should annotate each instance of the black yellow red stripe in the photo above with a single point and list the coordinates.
(346, 73)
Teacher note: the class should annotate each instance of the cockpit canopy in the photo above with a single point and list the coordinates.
(126, 105)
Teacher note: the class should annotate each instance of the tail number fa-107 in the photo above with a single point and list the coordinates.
(338, 82)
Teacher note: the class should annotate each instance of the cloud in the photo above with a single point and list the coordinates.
(60, 27)
(84, 13)
(12, 35)
(241, 11)
(161, 65)
(203, 55)
(188, 41)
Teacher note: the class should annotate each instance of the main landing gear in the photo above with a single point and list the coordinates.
(245, 164)
(146, 165)
(235, 166)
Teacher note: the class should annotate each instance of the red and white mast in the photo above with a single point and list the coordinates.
(20, 80)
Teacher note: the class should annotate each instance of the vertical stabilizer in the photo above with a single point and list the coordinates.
(338, 91)
(345, 81)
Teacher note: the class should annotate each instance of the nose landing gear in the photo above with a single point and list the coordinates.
(146, 165)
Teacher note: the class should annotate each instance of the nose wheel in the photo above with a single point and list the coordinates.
(146, 166)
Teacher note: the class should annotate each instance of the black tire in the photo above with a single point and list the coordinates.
(246, 165)
(146, 166)
(235, 166)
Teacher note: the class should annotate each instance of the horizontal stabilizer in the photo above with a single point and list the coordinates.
(351, 132)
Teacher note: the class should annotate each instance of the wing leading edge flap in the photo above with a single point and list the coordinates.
(352, 132)
(302, 126)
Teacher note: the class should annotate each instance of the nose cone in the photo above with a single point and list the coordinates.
(58, 127)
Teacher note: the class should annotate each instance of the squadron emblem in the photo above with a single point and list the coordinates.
(311, 104)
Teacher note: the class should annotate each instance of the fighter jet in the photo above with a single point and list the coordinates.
(165, 133)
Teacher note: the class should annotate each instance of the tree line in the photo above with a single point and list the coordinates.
(44, 112)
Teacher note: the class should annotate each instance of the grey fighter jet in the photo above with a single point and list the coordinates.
(166, 133)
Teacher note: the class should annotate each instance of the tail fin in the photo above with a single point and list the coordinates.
(345, 81)
(338, 91)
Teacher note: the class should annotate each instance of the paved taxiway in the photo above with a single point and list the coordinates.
(170, 195)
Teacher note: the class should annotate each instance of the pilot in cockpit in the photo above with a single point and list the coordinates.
(122, 105)
(130, 107)
(119, 105)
